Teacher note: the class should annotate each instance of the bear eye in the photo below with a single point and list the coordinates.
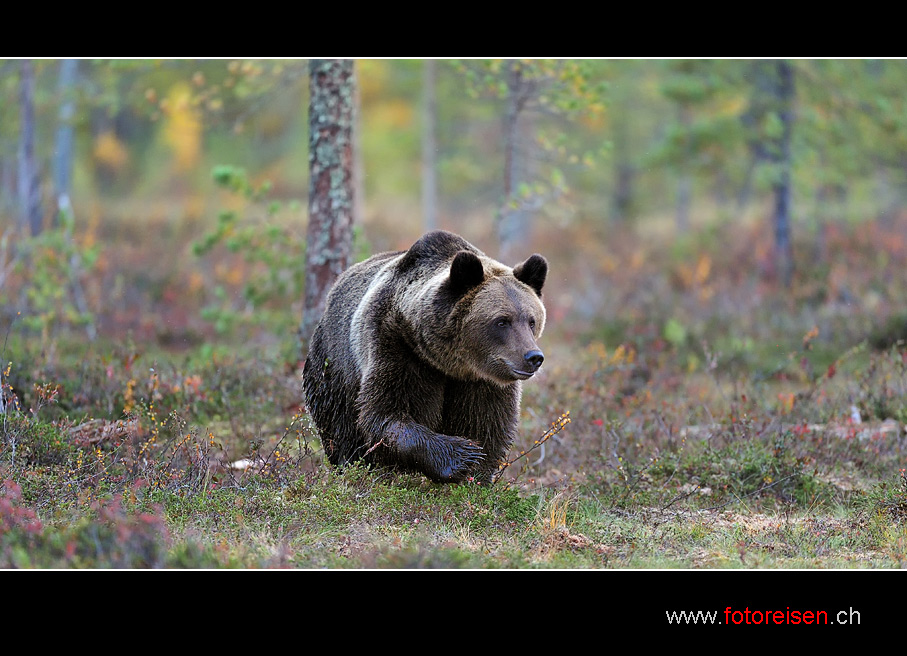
(532, 324)
(503, 322)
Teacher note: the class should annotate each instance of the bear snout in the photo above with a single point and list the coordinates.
(534, 359)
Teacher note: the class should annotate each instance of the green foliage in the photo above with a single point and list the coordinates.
(50, 268)
(675, 333)
(265, 244)
(888, 498)
(551, 91)
(271, 250)
(705, 133)
(662, 119)
(750, 469)
(594, 121)
(35, 443)
(566, 86)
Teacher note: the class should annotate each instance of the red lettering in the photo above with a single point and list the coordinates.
(768, 616)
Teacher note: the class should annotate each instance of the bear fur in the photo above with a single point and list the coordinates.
(419, 358)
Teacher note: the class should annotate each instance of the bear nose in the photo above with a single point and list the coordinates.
(534, 359)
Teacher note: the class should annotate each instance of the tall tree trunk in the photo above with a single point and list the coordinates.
(772, 104)
(429, 146)
(332, 85)
(624, 174)
(784, 94)
(63, 148)
(30, 214)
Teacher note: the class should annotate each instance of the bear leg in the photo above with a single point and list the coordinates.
(412, 446)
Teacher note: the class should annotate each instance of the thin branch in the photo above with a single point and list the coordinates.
(556, 427)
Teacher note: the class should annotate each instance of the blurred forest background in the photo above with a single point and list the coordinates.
(166, 199)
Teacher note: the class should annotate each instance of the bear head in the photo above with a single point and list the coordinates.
(496, 315)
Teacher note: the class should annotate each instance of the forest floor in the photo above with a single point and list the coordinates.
(716, 420)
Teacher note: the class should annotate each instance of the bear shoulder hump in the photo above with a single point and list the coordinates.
(433, 247)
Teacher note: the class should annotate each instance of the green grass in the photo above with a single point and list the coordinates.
(758, 487)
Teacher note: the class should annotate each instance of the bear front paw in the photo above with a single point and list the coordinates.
(454, 462)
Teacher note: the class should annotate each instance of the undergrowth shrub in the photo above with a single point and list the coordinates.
(880, 389)
(267, 259)
(112, 477)
(47, 285)
(106, 536)
(887, 498)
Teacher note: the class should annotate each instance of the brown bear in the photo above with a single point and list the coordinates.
(418, 360)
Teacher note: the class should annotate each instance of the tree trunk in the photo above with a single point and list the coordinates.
(329, 235)
(63, 148)
(624, 184)
(624, 170)
(30, 214)
(429, 147)
(784, 94)
(772, 104)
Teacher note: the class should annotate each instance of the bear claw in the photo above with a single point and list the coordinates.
(464, 456)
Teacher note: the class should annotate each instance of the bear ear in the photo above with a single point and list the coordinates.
(466, 272)
(532, 272)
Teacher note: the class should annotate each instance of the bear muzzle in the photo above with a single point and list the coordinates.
(532, 360)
